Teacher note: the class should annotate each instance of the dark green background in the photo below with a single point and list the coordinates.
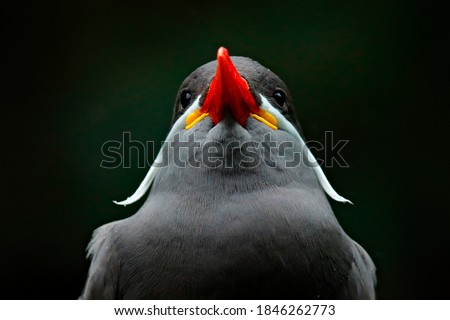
(80, 74)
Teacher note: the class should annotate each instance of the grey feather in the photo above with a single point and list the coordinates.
(263, 232)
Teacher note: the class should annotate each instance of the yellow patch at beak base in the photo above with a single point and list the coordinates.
(264, 116)
(267, 118)
(195, 117)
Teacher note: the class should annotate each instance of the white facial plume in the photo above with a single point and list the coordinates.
(146, 183)
(283, 124)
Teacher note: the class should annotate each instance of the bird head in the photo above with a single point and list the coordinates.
(238, 86)
(235, 98)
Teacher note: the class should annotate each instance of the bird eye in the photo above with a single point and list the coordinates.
(280, 97)
(185, 98)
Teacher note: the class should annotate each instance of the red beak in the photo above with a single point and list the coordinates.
(229, 89)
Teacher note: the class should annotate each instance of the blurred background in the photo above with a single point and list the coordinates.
(80, 74)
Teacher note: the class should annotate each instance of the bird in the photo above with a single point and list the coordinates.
(248, 221)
